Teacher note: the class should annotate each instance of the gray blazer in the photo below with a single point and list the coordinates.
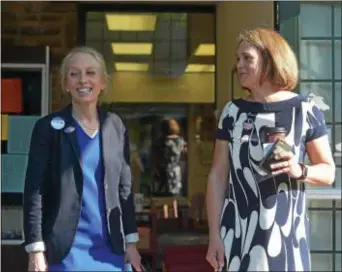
(53, 184)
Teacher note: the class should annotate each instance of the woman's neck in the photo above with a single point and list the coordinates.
(268, 93)
(85, 112)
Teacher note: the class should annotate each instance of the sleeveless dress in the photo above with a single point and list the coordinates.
(264, 222)
(91, 248)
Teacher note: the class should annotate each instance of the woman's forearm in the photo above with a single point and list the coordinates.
(216, 189)
(323, 174)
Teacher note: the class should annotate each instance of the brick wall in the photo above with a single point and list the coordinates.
(42, 23)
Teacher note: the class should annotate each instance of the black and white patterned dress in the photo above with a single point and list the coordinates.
(264, 223)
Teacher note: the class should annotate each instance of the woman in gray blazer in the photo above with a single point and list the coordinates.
(78, 205)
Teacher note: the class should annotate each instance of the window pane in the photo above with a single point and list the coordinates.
(162, 51)
(145, 36)
(338, 203)
(337, 158)
(338, 264)
(321, 262)
(338, 129)
(338, 145)
(329, 127)
(323, 90)
(338, 60)
(315, 59)
(338, 230)
(92, 30)
(338, 177)
(338, 99)
(337, 21)
(95, 44)
(310, 26)
(179, 31)
(162, 32)
(178, 50)
(320, 230)
(313, 203)
(323, 203)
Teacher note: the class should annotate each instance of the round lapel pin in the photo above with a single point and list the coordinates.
(57, 123)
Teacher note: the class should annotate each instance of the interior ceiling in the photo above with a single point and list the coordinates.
(158, 43)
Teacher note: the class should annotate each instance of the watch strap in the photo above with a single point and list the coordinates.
(304, 174)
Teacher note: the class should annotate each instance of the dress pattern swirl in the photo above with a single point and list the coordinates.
(264, 223)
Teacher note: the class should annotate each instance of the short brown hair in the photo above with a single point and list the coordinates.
(279, 61)
(174, 127)
(170, 127)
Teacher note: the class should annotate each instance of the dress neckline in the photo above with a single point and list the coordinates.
(269, 106)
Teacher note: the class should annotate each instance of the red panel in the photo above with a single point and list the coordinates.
(11, 95)
(186, 258)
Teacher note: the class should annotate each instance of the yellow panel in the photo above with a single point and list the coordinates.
(131, 66)
(4, 127)
(198, 68)
(132, 48)
(205, 49)
(139, 87)
(125, 22)
(232, 17)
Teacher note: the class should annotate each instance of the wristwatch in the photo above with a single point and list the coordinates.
(304, 174)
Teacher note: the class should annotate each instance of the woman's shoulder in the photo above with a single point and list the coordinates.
(115, 120)
(290, 101)
(52, 120)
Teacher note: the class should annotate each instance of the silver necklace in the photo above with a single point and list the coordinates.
(81, 123)
(87, 126)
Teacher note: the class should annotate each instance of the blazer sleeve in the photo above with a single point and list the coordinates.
(38, 162)
(126, 194)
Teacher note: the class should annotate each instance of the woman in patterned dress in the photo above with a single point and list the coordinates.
(170, 149)
(258, 221)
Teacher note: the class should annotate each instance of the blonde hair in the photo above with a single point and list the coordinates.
(280, 64)
(86, 50)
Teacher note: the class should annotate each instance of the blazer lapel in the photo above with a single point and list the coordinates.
(105, 140)
(70, 132)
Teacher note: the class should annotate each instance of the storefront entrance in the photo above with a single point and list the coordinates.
(161, 62)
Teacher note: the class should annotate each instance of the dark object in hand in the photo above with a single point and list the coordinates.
(280, 146)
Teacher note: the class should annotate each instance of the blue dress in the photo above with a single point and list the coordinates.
(91, 248)
(264, 222)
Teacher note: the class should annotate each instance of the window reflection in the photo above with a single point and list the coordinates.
(158, 143)
(169, 159)
(162, 70)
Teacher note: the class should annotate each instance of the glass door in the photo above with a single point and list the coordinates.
(162, 72)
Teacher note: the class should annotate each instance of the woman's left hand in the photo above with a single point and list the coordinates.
(286, 165)
(133, 257)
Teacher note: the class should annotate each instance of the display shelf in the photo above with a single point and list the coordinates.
(36, 96)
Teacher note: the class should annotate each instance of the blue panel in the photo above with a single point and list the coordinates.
(19, 133)
(13, 171)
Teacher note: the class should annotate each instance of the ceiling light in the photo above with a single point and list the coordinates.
(205, 49)
(131, 66)
(191, 68)
(126, 22)
(132, 48)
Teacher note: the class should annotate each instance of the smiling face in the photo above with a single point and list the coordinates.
(84, 78)
(249, 65)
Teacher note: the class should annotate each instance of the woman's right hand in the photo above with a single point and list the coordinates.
(37, 262)
(215, 254)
